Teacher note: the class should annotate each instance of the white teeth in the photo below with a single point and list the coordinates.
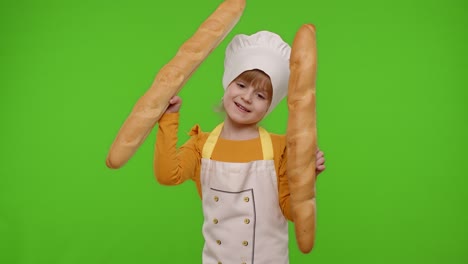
(241, 107)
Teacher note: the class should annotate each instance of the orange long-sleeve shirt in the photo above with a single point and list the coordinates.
(173, 166)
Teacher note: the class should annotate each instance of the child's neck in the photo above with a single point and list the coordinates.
(234, 131)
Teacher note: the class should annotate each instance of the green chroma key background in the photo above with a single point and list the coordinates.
(392, 119)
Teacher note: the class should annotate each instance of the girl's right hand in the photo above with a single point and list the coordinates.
(174, 104)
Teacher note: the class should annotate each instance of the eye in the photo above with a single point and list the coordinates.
(241, 85)
(261, 96)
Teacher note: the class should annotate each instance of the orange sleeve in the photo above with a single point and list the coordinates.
(174, 166)
(279, 143)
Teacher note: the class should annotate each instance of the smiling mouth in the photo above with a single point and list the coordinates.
(242, 108)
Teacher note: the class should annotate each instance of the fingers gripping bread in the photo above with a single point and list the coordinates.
(301, 136)
(170, 79)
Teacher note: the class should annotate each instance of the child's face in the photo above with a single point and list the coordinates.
(244, 103)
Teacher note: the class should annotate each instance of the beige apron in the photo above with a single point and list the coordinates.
(243, 223)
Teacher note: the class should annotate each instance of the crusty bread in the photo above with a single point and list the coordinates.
(170, 79)
(301, 136)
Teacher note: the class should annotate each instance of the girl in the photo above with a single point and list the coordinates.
(239, 168)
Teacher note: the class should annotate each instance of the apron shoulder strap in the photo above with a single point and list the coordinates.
(265, 139)
(267, 145)
(211, 142)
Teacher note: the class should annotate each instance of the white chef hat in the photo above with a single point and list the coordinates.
(265, 51)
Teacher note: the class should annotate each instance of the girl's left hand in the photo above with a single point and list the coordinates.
(319, 162)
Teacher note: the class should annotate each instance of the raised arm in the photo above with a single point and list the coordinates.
(173, 166)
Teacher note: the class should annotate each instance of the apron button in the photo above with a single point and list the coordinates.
(216, 198)
(245, 243)
(218, 242)
(247, 221)
(246, 199)
(215, 221)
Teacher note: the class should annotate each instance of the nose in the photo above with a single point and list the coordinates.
(247, 95)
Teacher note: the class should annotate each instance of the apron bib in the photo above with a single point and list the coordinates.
(243, 223)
